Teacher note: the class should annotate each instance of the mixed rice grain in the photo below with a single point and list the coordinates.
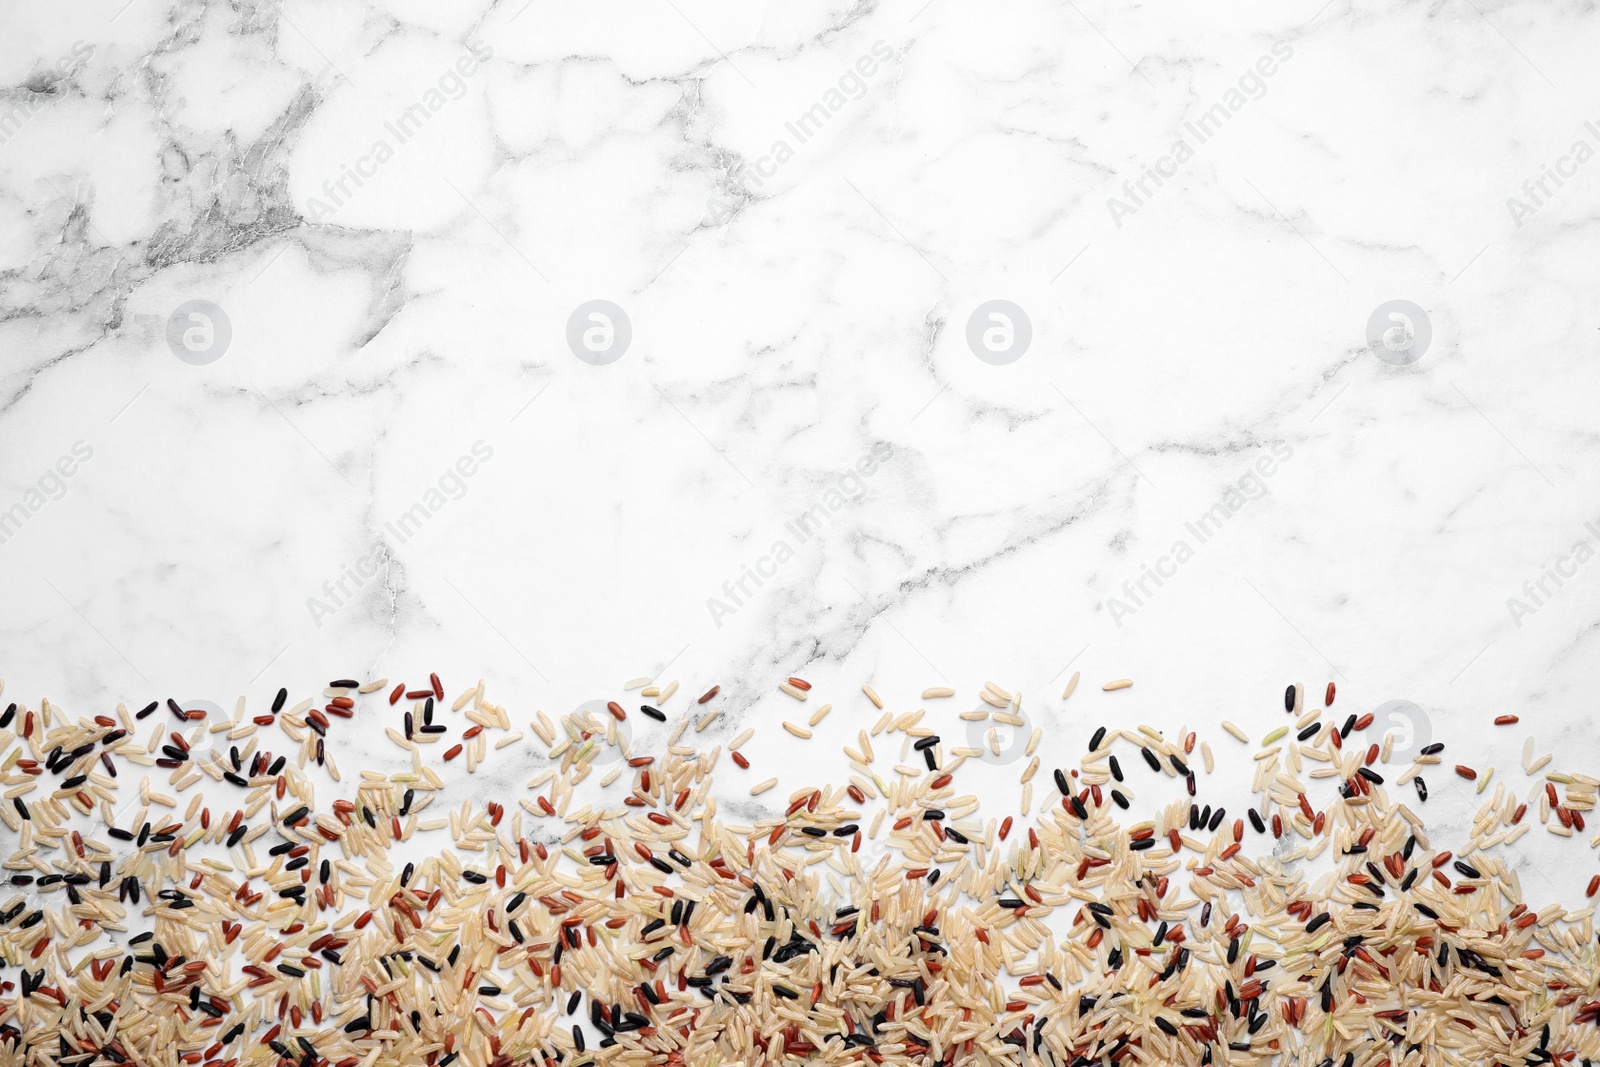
(178, 901)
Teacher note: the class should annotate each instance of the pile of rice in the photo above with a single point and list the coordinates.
(179, 895)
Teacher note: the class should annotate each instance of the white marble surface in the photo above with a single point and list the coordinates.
(797, 306)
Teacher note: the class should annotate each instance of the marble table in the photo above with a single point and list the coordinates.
(915, 343)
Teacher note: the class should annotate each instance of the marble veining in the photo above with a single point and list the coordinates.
(905, 342)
